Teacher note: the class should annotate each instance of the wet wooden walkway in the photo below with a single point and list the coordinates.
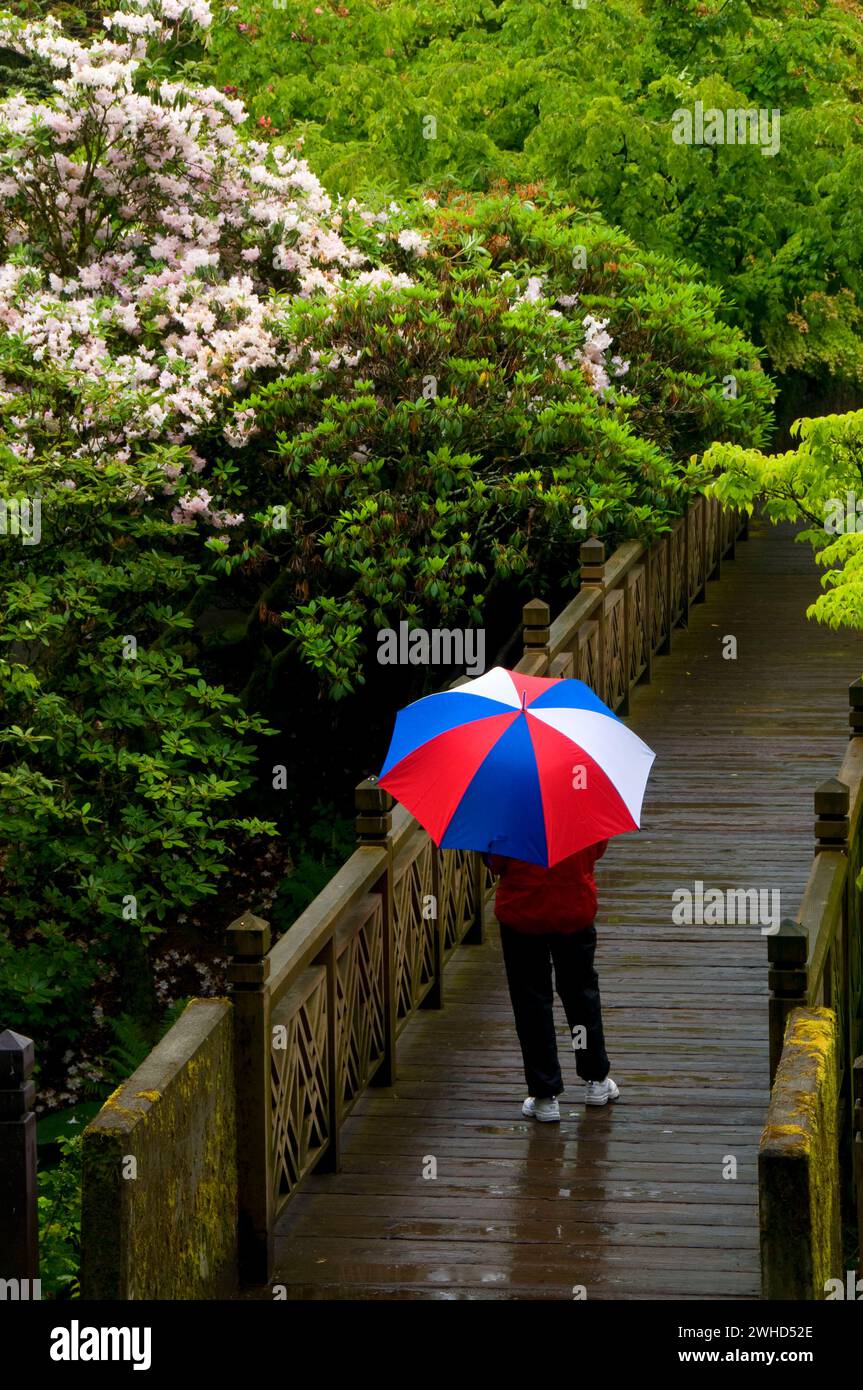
(637, 1200)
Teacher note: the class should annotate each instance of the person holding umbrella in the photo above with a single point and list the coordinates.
(535, 774)
(546, 919)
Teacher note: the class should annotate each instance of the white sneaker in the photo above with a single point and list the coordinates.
(546, 1109)
(600, 1092)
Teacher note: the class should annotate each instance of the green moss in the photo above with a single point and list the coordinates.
(801, 1237)
(185, 1147)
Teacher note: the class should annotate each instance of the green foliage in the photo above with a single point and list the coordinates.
(118, 758)
(331, 840)
(820, 482)
(59, 1204)
(457, 426)
(583, 99)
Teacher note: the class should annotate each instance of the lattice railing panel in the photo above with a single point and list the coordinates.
(415, 925)
(639, 621)
(677, 542)
(616, 676)
(457, 904)
(713, 535)
(659, 593)
(587, 656)
(298, 1082)
(359, 998)
(696, 558)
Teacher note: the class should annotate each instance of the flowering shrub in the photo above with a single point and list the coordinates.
(256, 422)
(144, 242)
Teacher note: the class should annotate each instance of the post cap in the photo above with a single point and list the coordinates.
(370, 796)
(592, 551)
(249, 936)
(790, 945)
(17, 1058)
(536, 613)
(832, 798)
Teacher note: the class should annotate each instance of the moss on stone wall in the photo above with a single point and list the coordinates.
(798, 1163)
(169, 1230)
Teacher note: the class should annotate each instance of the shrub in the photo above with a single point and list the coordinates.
(583, 99)
(59, 1205)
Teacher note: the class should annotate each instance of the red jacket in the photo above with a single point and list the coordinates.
(531, 898)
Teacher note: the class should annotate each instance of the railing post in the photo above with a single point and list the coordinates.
(788, 980)
(374, 808)
(832, 805)
(591, 556)
(536, 616)
(19, 1224)
(248, 973)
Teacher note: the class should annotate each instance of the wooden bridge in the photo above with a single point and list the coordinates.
(443, 1190)
(348, 1124)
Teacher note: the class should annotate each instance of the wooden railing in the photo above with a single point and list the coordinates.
(818, 959)
(318, 1015)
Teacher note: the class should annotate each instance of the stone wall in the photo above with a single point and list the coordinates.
(798, 1163)
(159, 1202)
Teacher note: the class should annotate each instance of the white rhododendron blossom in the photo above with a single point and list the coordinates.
(152, 254)
(532, 292)
(590, 358)
(412, 241)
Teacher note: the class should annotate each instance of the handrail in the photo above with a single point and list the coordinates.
(313, 928)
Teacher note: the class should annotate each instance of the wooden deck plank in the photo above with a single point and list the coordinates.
(631, 1201)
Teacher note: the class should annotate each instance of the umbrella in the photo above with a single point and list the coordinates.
(523, 766)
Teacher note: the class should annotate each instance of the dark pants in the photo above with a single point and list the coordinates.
(528, 959)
